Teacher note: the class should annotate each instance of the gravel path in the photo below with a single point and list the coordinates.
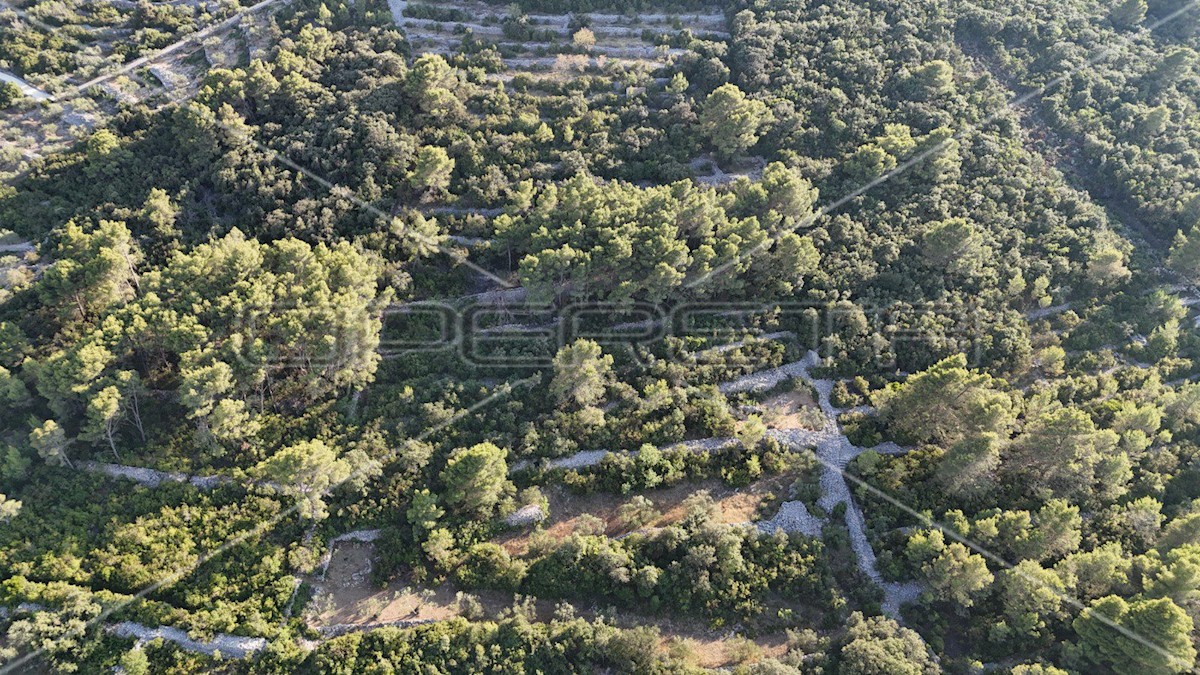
(1042, 312)
(364, 536)
(765, 379)
(397, 7)
(229, 645)
(701, 445)
(465, 211)
(890, 448)
(793, 517)
(586, 458)
(578, 460)
(466, 241)
(152, 477)
(503, 296)
(628, 325)
(25, 87)
(22, 247)
(835, 453)
(721, 349)
(864, 409)
(535, 328)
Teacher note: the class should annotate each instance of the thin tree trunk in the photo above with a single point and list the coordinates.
(79, 305)
(137, 417)
(111, 442)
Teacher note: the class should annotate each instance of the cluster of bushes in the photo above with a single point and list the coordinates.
(79, 530)
(30, 49)
(1127, 120)
(511, 645)
(1081, 490)
(651, 467)
(699, 567)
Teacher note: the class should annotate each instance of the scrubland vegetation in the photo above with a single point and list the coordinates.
(417, 280)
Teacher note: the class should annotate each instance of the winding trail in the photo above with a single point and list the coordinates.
(152, 477)
(766, 379)
(832, 449)
(763, 337)
(1043, 312)
(397, 7)
(835, 452)
(234, 646)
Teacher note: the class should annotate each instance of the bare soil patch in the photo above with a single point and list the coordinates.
(737, 505)
(347, 582)
(792, 410)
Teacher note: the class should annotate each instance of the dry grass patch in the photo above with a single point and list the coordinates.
(724, 651)
(348, 596)
(792, 410)
(568, 509)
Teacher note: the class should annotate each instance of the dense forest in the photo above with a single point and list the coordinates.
(820, 336)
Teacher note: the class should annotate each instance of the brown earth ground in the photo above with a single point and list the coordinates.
(738, 505)
(792, 410)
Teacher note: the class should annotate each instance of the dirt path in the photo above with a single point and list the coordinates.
(397, 7)
(191, 39)
(765, 379)
(835, 452)
(233, 646)
(21, 247)
(26, 88)
(152, 477)
(1043, 312)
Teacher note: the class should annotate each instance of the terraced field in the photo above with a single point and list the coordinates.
(78, 67)
(554, 45)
